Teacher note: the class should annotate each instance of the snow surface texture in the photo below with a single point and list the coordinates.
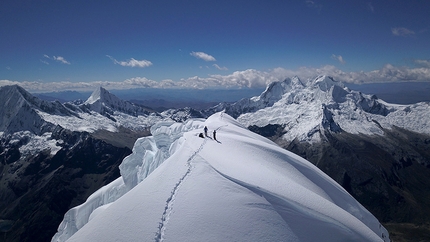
(148, 153)
(323, 103)
(242, 187)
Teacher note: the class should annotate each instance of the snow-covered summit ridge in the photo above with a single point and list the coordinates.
(242, 187)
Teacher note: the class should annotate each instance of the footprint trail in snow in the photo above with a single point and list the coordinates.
(170, 201)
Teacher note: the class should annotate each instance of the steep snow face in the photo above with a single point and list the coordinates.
(240, 187)
(325, 83)
(20, 111)
(307, 112)
(97, 95)
(101, 97)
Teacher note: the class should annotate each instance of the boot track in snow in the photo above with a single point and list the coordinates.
(159, 236)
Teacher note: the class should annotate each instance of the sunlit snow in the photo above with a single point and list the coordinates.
(240, 187)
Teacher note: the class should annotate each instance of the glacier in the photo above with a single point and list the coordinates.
(176, 186)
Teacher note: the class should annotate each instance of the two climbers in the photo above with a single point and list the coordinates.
(205, 129)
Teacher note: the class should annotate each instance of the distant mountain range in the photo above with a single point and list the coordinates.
(371, 147)
(162, 99)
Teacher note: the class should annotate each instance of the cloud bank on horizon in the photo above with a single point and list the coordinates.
(249, 78)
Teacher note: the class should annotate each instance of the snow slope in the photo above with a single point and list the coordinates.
(242, 187)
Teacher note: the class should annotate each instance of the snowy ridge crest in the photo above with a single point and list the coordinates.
(247, 186)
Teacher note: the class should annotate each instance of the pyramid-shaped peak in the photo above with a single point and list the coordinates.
(16, 95)
(15, 89)
(100, 94)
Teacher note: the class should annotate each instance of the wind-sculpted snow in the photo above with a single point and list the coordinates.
(78, 216)
(240, 187)
(148, 153)
(155, 149)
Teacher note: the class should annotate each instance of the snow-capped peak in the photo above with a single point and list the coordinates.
(21, 111)
(106, 103)
(326, 82)
(276, 90)
(102, 95)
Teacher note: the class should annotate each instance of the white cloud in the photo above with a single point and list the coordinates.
(402, 31)
(423, 63)
(338, 58)
(44, 62)
(132, 62)
(220, 68)
(203, 56)
(388, 73)
(243, 79)
(61, 59)
(56, 58)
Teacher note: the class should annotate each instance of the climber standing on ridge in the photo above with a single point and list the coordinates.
(214, 133)
(206, 131)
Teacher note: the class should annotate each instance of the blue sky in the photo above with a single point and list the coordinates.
(167, 43)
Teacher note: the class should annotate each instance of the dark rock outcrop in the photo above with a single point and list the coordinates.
(37, 190)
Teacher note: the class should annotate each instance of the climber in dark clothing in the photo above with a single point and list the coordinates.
(214, 134)
(206, 131)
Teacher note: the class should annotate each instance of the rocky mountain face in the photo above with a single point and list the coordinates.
(36, 190)
(379, 152)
